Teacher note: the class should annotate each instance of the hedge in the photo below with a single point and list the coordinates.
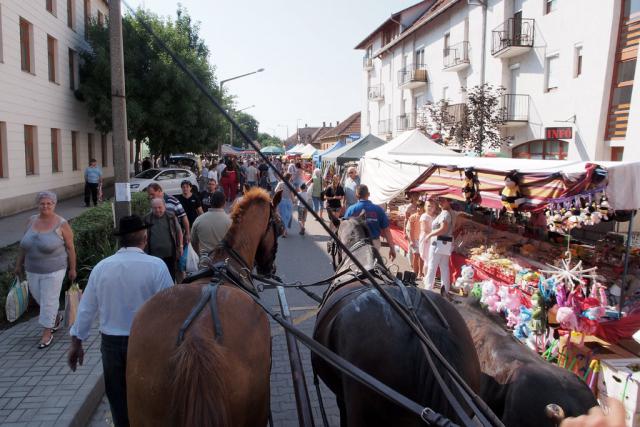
(94, 241)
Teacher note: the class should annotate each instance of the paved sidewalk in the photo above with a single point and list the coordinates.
(37, 388)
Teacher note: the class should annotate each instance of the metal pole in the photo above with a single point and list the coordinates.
(626, 263)
(119, 111)
(303, 405)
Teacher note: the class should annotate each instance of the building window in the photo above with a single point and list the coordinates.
(550, 6)
(87, 17)
(631, 10)
(30, 149)
(26, 46)
(101, 19)
(420, 63)
(55, 151)
(552, 73)
(52, 57)
(551, 149)
(3, 150)
(74, 150)
(91, 151)
(71, 14)
(103, 149)
(72, 69)
(51, 6)
(578, 61)
(616, 154)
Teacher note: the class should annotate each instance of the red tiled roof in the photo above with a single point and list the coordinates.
(438, 7)
(348, 126)
(307, 135)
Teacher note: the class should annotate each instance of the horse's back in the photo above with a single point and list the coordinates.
(366, 330)
(240, 357)
(517, 382)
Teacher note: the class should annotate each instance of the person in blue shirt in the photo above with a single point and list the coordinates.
(118, 286)
(92, 180)
(376, 218)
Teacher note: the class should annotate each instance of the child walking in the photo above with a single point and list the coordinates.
(302, 211)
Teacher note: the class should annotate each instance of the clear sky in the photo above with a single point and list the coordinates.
(312, 71)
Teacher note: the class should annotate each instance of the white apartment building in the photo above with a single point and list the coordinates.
(568, 67)
(46, 134)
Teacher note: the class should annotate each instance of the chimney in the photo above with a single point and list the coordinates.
(324, 124)
(305, 125)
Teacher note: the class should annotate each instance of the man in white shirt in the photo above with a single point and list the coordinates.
(118, 286)
(221, 167)
(212, 175)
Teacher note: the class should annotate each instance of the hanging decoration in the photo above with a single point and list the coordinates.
(510, 195)
(471, 185)
(585, 209)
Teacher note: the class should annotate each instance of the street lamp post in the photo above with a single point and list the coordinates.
(222, 82)
(231, 125)
(287, 135)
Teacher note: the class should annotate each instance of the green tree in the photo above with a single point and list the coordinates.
(484, 117)
(267, 140)
(248, 124)
(164, 108)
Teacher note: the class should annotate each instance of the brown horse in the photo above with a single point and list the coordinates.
(357, 323)
(211, 378)
(516, 383)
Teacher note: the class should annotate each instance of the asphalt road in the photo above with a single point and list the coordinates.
(304, 259)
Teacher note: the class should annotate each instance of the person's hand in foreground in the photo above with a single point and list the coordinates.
(614, 416)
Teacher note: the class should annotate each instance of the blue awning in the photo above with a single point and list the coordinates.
(317, 158)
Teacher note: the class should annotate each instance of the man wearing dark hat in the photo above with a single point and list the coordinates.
(117, 288)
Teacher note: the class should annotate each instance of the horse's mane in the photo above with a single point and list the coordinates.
(255, 195)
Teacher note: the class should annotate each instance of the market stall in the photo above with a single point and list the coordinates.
(317, 157)
(391, 168)
(355, 151)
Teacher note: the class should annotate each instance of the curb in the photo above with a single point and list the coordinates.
(79, 413)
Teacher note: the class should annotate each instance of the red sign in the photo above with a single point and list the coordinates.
(559, 133)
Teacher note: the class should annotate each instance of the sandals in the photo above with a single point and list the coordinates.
(45, 344)
(59, 319)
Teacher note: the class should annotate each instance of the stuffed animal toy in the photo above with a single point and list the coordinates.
(538, 324)
(603, 208)
(465, 281)
(567, 318)
(521, 330)
(510, 303)
(471, 185)
(510, 194)
(490, 296)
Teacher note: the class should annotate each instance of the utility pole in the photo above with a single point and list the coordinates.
(122, 202)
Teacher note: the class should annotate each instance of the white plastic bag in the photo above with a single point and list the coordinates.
(192, 260)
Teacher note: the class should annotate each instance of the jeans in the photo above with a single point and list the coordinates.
(114, 365)
(90, 190)
(317, 204)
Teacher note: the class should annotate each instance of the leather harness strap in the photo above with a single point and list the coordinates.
(208, 295)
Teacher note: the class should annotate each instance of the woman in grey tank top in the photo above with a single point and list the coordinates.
(45, 251)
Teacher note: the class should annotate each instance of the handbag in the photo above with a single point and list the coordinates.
(17, 299)
(444, 245)
(71, 302)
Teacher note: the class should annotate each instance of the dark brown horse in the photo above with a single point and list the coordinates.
(358, 324)
(517, 384)
(208, 380)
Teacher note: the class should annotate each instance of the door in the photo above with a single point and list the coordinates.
(168, 182)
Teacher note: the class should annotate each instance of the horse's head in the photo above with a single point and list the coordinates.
(351, 230)
(268, 246)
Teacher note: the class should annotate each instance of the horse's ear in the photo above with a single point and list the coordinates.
(276, 199)
(334, 220)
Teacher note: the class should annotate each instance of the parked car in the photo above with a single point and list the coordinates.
(169, 179)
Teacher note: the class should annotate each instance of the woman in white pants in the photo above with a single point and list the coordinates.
(432, 209)
(46, 250)
(441, 236)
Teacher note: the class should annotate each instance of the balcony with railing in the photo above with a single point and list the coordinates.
(456, 113)
(406, 122)
(376, 93)
(367, 63)
(385, 127)
(513, 37)
(515, 110)
(413, 76)
(456, 57)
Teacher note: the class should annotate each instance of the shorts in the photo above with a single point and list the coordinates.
(302, 213)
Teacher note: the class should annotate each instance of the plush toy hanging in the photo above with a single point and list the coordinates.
(471, 185)
(510, 194)
(603, 208)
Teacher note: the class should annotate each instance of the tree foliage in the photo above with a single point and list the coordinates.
(164, 107)
(267, 140)
(248, 124)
